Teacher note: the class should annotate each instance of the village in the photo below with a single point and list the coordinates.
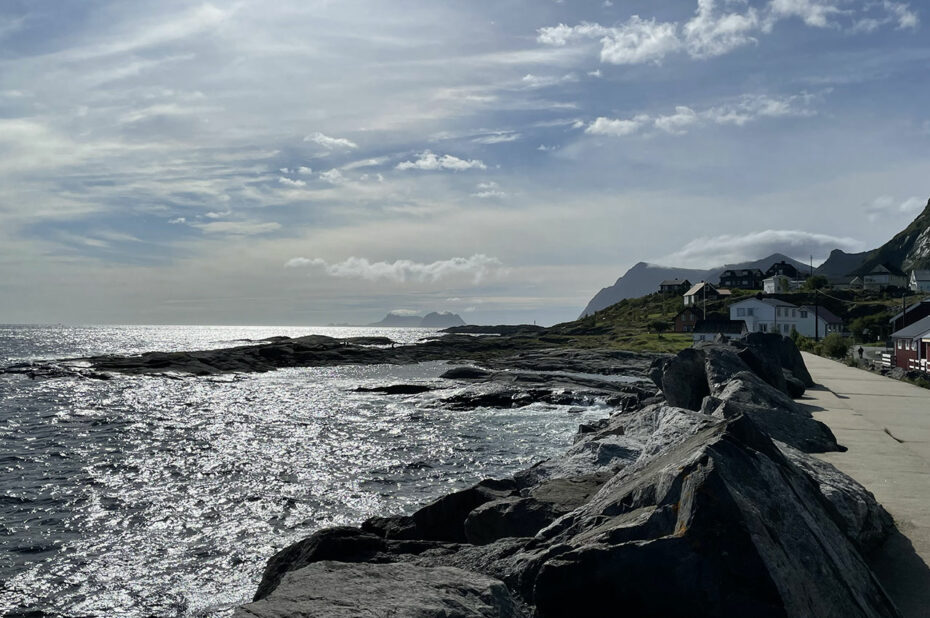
(736, 311)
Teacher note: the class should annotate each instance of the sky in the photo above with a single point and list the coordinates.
(302, 162)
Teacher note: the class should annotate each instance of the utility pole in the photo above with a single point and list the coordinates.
(816, 316)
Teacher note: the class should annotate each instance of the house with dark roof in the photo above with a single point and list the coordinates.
(909, 315)
(820, 321)
(699, 292)
(920, 281)
(743, 278)
(912, 345)
(768, 315)
(784, 269)
(674, 286)
(711, 330)
(884, 276)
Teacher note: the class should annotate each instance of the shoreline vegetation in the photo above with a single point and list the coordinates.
(697, 495)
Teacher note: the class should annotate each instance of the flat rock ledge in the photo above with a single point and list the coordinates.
(706, 503)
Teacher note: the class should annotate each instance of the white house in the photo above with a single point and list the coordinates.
(780, 284)
(920, 280)
(768, 315)
(710, 330)
(884, 276)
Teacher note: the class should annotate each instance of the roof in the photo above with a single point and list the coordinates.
(921, 275)
(886, 268)
(824, 314)
(918, 328)
(675, 282)
(724, 327)
(909, 309)
(742, 272)
(774, 302)
(696, 288)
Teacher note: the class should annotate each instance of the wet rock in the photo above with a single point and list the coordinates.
(336, 589)
(396, 389)
(466, 373)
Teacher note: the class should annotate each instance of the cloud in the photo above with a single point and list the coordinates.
(886, 205)
(431, 162)
(177, 221)
(741, 111)
(333, 176)
(498, 138)
(237, 228)
(537, 81)
(727, 249)
(633, 42)
(291, 183)
(678, 122)
(487, 190)
(331, 143)
(304, 171)
(710, 34)
(617, 127)
(372, 162)
(477, 267)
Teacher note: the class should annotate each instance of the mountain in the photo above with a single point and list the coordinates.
(908, 250)
(644, 279)
(840, 263)
(442, 319)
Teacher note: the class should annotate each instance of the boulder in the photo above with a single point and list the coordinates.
(774, 412)
(342, 590)
(684, 381)
(466, 373)
(781, 350)
(794, 387)
(858, 513)
(720, 525)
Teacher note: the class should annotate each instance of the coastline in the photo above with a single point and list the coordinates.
(704, 500)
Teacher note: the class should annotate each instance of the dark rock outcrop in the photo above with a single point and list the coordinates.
(341, 590)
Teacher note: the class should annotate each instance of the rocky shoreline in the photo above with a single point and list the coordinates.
(698, 495)
(699, 499)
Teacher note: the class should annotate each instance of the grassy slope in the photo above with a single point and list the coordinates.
(627, 324)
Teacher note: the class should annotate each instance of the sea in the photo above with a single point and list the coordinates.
(166, 495)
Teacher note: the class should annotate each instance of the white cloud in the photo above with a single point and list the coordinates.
(177, 221)
(304, 171)
(291, 183)
(615, 127)
(487, 190)
(372, 162)
(886, 205)
(432, 162)
(634, 42)
(331, 143)
(541, 81)
(217, 215)
(333, 176)
(710, 34)
(498, 138)
(477, 267)
(751, 107)
(237, 228)
(678, 122)
(816, 13)
(730, 248)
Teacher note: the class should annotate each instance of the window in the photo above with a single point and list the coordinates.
(803, 314)
(794, 313)
(750, 311)
(740, 312)
(764, 328)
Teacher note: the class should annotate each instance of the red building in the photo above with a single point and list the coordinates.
(686, 319)
(912, 345)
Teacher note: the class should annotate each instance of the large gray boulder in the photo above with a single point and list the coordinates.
(684, 381)
(399, 590)
(720, 525)
(780, 350)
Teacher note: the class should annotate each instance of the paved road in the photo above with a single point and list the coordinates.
(885, 424)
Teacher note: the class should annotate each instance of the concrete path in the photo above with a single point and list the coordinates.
(885, 424)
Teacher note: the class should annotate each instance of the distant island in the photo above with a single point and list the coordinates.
(434, 319)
